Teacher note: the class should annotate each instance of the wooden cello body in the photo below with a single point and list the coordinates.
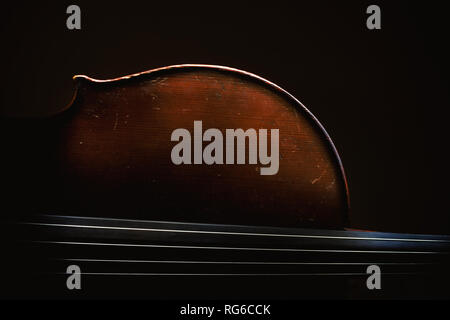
(114, 152)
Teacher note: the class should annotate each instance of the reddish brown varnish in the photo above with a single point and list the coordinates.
(113, 152)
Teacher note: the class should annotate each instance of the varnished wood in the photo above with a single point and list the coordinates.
(113, 152)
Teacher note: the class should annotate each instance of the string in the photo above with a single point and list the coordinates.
(237, 248)
(245, 262)
(238, 233)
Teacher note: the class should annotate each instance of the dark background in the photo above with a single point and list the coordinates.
(382, 95)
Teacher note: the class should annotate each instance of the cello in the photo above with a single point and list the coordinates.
(163, 179)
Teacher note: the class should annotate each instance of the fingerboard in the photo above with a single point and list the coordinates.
(128, 258)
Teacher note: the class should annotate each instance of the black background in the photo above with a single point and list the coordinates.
(382, 95)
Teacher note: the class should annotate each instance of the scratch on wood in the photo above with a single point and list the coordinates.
(116, 121)
(314, 181)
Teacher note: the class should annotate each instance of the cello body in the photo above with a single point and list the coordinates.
(112, 152)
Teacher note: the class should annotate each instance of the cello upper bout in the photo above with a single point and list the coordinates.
(116, 152)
